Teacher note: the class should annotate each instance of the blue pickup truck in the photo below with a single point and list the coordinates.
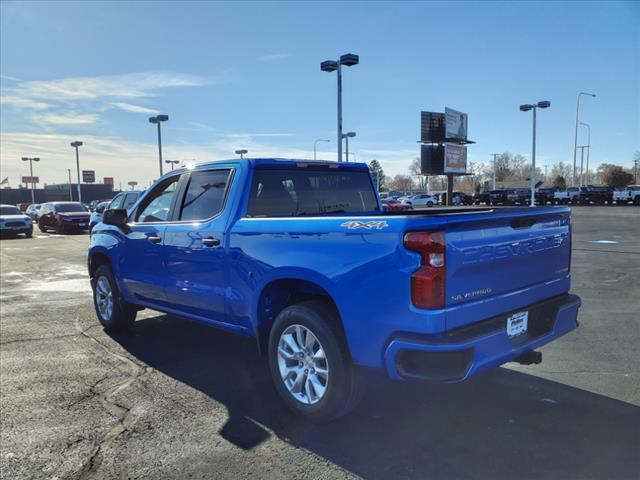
(300, 256)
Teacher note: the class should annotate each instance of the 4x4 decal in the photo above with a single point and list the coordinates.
(373, 225)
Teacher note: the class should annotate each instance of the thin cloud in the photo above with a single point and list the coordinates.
(129, 107)
(68, 119)
(273, 57)
(132, 85)
(248, 135)
(27, 103)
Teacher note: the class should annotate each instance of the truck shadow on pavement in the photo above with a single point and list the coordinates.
(504, 424)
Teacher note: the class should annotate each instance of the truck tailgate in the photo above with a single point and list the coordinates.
(506, 253)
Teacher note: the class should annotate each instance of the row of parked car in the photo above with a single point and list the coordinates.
(60, 217)
(587, 195)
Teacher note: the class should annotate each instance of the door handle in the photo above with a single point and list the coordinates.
(154, 239)
(210, 242)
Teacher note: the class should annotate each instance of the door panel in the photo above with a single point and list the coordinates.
(194, 247)
(142, 267)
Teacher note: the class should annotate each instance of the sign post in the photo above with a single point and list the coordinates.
(89, 176)
(443, 150)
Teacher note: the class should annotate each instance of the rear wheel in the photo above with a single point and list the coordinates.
(113, 312)
(310, 365)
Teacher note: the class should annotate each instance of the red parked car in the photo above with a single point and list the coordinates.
(63, 217)
(390, 205)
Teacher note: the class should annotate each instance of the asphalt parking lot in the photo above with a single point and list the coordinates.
(173, 399)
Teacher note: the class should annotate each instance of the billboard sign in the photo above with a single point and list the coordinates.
(455, 158)
(455, 125)
(431, 127)
(108, 181)
(29, 180)
(88, 176)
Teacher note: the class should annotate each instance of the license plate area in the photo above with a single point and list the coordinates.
(517, 324)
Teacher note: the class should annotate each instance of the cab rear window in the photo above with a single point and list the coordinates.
(288, 193)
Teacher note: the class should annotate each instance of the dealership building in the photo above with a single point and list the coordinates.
(60, 192)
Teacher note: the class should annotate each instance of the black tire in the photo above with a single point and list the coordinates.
(344, 387)
(29, 233)
(123, 314)
(41, 227)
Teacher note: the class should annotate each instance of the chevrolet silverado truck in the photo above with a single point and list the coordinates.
(300, 256)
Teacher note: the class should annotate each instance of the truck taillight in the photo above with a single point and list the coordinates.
(428, 283)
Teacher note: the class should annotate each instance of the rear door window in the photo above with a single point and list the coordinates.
(116, 202)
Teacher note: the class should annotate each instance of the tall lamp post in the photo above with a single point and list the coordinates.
(70, 191)
(172, 162)
(495, 156)
(75, 145)
(242, 152)
(346, 137)
(575, 141)
(348, 60)
(525, 108)
(315, 144)
(158, 119)
(588, 148)
(31, 160)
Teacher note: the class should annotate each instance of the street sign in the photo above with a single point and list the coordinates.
(431, 127)
(29, 180)
(455, 158)
(108, 181)
(88, 176)
(455, 125)
(132, 183)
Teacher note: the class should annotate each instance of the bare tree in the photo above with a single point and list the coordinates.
(402, 182)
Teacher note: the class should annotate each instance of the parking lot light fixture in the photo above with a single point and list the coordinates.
(588, 151)
(157, 120)
(242, 152)
(31, 160)
(172, 163)
(348, 60)
(346, 137)
(75, 145)
(575, 141)
(315, 144)
(525, 108)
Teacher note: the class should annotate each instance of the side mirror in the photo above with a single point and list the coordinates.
(117, 217)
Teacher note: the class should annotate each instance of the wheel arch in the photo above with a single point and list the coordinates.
(281, 293)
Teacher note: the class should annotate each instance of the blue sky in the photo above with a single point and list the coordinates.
(234, 75)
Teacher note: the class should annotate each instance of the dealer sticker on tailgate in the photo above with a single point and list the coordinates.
(517, 324)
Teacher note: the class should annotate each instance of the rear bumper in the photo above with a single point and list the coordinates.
(459, 354)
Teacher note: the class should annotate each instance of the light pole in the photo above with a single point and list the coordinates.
(525, 108)
(588, 147)
(346, 137)
(70, 191)
(349, 60)
(242, 152)
(581, 147)
(172, 162)
(575, 141)
(495, 156)
(315, 144)
(31, 160)
(75, 145)
(158, 119)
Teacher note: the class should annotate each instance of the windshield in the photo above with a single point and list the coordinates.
(70, 207)
(9, 211)
(294, 192)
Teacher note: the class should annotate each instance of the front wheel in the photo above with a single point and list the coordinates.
(309, 363)
(113, 312)
(42, 227)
